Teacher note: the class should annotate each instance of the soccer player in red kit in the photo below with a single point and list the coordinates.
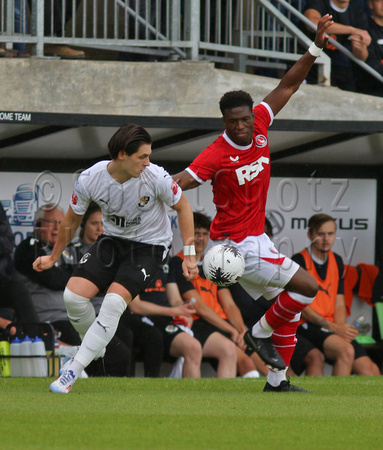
(238, 165)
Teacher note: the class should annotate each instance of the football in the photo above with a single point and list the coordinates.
(223, 265)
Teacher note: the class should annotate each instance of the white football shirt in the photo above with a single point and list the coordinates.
(134, 210)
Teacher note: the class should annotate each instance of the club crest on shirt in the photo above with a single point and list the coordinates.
(260, 140)
(174, 187)
(85, 258)
(143, 201)
(74, 198)
(171, 329)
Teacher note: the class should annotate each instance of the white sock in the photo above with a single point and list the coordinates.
(102, 330)
(80, 311)
(262, 329)
(76, 368)
(275, 376)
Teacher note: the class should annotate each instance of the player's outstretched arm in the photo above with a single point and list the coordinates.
(186, 224)
(290, 83)
(65, 234)
(185, 180)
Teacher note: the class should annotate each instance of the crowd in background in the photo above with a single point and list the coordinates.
(358, 26)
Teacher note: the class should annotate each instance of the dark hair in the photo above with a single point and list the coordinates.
(129, 139)
(92, 208)
(317, 220)
(201, 221)
(234, 99)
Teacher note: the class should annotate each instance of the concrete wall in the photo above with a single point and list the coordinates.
(187, 89)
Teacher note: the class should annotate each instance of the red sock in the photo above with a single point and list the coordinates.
(283, 310)
(284, 339)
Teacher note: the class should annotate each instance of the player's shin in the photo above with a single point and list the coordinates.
(284, 339)
(284, 309)
(102, 330)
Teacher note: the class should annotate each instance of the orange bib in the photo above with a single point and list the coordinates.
(324, 302)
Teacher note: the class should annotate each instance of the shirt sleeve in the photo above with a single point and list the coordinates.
(168, 190)
(80, 199)
(206, 164)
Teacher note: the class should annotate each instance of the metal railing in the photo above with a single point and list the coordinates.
(242, 35)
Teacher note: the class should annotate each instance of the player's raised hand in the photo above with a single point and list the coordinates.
(321, 38)
(43, 263)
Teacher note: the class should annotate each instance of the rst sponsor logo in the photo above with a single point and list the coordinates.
(250, 171)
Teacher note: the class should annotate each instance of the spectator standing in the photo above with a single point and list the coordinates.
(20, 24)
(366, 83)
(325, 318)
(56, 15)
(349, 29)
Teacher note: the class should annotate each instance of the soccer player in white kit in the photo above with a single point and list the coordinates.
(238, 166)
(132, 194)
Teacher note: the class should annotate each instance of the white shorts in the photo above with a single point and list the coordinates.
(267, 271)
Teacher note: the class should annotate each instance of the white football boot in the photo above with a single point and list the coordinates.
(64, 383)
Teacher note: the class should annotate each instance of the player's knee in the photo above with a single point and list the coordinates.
(113, 305)
(74, 302)
(311, 287)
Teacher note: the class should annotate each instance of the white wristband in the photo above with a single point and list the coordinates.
(189, 250)
(314, 50)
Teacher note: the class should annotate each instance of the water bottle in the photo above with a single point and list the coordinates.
(5, 360)
(57, 363)
(40, 364)
(26, 363)
(361, 324)
(16, 362)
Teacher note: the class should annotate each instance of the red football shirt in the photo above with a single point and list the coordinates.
(240, 177)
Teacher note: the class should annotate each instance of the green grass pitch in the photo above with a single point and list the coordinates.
(208, 413)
